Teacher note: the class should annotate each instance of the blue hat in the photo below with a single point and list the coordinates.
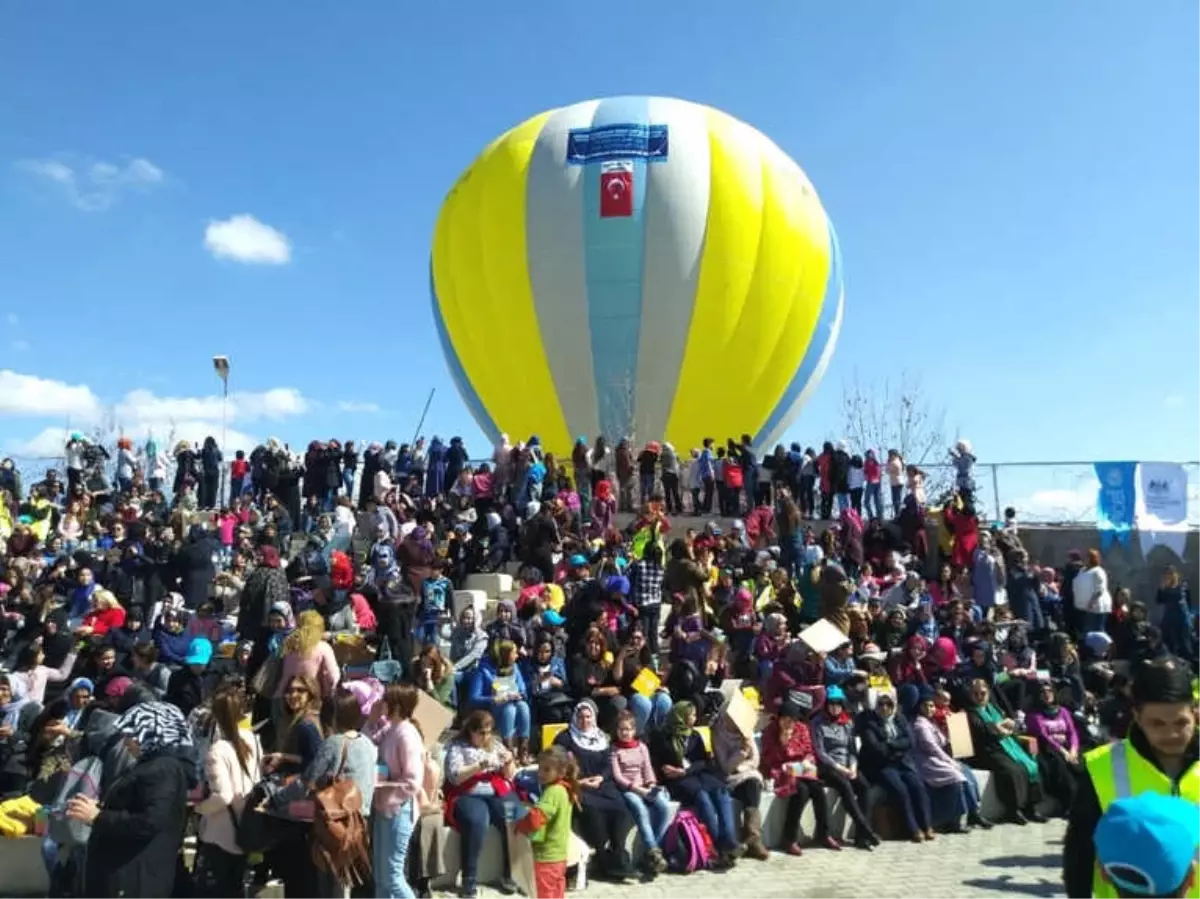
(553, 619)
(834, 694)
(1146, 844)
(199, 652)
(579, 560)
(618, 583)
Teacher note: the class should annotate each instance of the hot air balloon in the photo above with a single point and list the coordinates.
(635, 267)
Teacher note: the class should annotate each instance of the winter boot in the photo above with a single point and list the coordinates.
(754, 842)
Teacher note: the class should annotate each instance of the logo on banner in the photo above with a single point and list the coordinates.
(1116, 501)
(616, 189)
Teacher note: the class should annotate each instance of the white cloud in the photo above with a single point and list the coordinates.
(352, 406)
(139, 413)
(280, 402)
(94, 185)
(243, 238)
(29, 395)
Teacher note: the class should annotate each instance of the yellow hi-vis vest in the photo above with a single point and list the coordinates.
(1119, 771)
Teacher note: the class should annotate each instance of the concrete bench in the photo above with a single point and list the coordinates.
(476, 599)
(493, 585)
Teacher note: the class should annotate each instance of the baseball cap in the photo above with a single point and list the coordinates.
(834, 694)
(1146, 845)
(200, 652)
(578, 561)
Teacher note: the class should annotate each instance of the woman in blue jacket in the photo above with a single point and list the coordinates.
(545, 676)
(499, 688)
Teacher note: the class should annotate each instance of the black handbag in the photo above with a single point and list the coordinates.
(256, 831)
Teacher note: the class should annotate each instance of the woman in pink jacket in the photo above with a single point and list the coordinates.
(397, 801)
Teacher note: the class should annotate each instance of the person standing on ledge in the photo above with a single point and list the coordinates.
(1160, 755)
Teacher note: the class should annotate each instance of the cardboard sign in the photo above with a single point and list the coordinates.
(823, 636)
(741, 713)
(959, 729)
(433, 717)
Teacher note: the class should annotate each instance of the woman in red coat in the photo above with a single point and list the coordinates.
(789, 761)
(105, 615)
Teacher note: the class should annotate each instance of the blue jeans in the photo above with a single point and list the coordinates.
(473, 814)
(651, 814)
(389, 853)
(512, 719)
(970, 788)
(348, 481)
(650, 712)
(715, 809)
(873, 500)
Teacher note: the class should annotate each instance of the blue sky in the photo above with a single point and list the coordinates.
(1014, 186)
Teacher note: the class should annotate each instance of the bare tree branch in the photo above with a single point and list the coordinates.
(899, 416)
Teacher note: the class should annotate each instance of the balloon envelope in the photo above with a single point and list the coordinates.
(635, 267)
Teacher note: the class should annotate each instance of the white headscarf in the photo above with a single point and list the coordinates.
(592, 739)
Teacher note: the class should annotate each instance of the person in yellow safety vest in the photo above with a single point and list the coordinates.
(1146, 846)
(1160, 755)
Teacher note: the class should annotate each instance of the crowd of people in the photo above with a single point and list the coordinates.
(250, 664)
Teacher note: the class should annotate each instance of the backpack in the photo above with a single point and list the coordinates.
(82, 780)
(687, 845)
(339, 832)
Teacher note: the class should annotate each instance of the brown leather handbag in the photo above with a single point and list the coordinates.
(340, 839)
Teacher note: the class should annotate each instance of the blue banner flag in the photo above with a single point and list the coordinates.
(1115, 502)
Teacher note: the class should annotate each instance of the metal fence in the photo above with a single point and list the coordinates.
(1042, 492)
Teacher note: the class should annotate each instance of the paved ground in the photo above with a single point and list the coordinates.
(1006, 861)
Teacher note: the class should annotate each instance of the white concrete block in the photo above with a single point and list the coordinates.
(491, 584)
(475, 598)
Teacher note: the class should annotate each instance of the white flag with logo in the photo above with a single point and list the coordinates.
(1162, 506)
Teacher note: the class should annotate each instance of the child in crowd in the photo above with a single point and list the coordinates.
(647, 801)
(436, 592)
(548, 823)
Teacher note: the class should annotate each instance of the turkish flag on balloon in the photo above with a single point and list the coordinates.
(616, 189)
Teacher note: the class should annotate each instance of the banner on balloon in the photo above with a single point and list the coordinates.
(625, 141)
(1116, 501)
(1161, 510)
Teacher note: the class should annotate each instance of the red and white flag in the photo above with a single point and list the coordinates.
(616, 189)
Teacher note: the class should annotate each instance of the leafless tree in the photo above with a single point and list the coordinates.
(898, 415)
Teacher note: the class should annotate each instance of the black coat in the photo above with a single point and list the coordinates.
(195, 569)
(876, 751)
(139, 831)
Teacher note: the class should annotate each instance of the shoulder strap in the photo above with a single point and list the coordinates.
(342, 761)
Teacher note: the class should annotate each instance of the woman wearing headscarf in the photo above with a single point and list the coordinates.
(886, 757)
(950, 783)
(334, 606)
(16, 719)
(686, 769)
(78, 695)
(1053, 726)
(194, 566)
(138, 831)
(266, 587)
(603, 819)
(997, 749)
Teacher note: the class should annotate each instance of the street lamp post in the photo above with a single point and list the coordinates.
(221, 367)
